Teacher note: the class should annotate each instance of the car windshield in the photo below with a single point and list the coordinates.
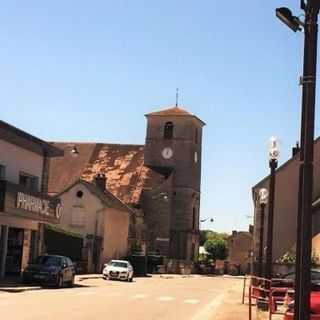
(119, 264)
(49, 261)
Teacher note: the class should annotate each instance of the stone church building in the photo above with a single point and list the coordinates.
(159, 180)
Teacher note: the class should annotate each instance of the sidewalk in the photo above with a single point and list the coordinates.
(82, 277)
(14, 284)
(231, 307)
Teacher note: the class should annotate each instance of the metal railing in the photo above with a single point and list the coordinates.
(260, 291)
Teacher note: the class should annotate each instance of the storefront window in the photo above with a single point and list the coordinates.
(14, 251)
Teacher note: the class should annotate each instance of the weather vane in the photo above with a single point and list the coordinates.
(177, 97)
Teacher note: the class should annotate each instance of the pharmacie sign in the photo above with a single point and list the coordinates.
(31, 203)
(34, 205)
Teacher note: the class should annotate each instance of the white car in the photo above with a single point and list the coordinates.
(118, 269)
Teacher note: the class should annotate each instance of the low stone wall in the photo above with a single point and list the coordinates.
(179, 266)
(281, 269)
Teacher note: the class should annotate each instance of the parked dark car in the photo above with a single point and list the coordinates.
(287, 280)
(51, 270)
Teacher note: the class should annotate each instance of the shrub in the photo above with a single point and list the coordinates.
(217, 249)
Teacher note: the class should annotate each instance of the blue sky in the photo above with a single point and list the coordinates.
(90, 70)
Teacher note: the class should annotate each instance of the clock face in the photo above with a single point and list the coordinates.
(167, 153)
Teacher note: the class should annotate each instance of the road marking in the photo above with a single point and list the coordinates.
(165, 298)
(210, 309)
(191, 301)
(140, 296)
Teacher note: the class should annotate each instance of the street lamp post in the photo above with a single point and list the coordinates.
(304, 220)
(273, 163)
(263, 200)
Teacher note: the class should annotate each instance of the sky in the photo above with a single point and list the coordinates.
(90, 70)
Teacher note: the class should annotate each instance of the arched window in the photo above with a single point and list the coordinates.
(168, 130)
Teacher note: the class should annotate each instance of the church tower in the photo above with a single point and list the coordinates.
(173, 148)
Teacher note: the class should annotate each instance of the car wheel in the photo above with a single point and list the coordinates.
(130, 279)
(59, 282)
(71, 283)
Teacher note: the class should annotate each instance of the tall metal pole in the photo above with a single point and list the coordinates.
(304, 230)
(260, 266)
(298, 244)
(268, 270)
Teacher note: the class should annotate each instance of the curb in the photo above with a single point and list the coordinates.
(82, 278)
(17, 290)
(232, 277)
(174, 276)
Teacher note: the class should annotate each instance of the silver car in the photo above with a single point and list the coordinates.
(118, 269)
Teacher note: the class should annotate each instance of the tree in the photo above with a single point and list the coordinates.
(217, 249)
(209, 234)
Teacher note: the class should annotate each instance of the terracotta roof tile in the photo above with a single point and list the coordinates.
(123, 166)
(65, 170)
(174, 112)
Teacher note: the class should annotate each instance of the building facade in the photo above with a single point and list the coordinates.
(240, 246)
(173, 149)
(160, 181)
(99, 218)
(286, 206)
(24, 204)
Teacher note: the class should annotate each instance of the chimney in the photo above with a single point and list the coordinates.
(251, 228)
(100, 180)
(295, 149)
(234, 233)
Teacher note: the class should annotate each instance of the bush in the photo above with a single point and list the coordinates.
(290, 258)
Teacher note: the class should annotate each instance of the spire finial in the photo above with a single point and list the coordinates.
(177, 97)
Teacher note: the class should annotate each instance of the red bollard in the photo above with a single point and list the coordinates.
(288, 316)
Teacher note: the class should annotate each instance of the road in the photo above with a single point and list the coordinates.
(172, 298)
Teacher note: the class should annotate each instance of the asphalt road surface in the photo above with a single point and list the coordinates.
(192, 298)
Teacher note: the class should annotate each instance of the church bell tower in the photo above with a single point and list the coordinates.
(173, 148)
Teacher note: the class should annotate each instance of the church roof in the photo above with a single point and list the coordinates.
(123, 166)
(174, 112)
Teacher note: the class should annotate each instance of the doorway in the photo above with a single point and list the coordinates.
(14, 251)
